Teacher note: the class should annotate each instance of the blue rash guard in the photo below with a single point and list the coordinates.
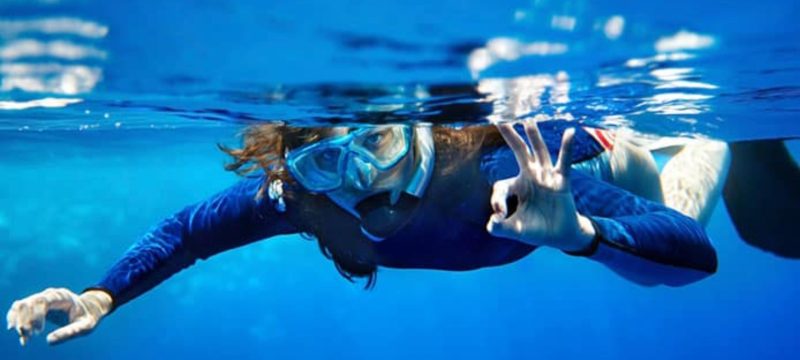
(642, 241)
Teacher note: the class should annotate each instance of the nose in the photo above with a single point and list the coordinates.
(361, 174)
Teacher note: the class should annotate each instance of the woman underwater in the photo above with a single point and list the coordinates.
(416, 196)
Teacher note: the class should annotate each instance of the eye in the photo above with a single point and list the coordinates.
(329, 155)
(374, 139)
(327, 160)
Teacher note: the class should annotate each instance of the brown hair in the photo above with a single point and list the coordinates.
(338, 234)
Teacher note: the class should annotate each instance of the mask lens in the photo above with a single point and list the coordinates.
(319, 170)
(383, 146)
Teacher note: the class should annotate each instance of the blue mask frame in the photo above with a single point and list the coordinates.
(347, 149)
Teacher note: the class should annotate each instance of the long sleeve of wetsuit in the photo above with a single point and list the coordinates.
(641, 240)
(229, 219)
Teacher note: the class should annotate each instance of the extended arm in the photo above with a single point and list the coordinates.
(229, 219)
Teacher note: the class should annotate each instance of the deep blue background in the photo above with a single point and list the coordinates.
(72, 201)
(72, 206)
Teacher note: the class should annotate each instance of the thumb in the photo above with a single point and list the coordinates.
(80, 327)
(504, 227)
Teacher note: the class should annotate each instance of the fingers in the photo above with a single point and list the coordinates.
(59, 298)
(516, 144)
(537, 143)
(564, 163)
(18, 319)
(28, 316)
(11, 318)
(80, 327)
(500, 193)
(38, 315)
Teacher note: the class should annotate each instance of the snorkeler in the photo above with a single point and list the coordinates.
(403, 196)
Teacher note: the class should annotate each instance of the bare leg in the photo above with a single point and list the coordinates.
(692, 180)
(633, 168)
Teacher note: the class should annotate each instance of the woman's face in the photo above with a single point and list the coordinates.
(361, 162)
(363, 180)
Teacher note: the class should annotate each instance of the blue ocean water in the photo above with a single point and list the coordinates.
(110, 113)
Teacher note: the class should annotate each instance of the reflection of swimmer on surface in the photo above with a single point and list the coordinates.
(401, 196)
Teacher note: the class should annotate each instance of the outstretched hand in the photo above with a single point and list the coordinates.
(80, 314)
(545, 214)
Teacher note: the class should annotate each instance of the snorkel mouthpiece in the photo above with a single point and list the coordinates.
(381, 219)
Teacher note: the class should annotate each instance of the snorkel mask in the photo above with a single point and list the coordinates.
(321, 167)
(382, 201)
